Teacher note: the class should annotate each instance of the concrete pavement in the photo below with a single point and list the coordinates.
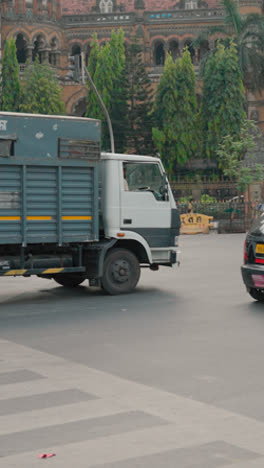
(170, 376)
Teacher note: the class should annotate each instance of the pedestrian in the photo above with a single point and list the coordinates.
(190, 206)
(126, 188)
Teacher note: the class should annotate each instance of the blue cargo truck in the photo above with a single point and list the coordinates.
(69, 212)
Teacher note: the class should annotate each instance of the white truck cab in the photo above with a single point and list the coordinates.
(138, 208)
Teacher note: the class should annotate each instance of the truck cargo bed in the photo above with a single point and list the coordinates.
(48, 195)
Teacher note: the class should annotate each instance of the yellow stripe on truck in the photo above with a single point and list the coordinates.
(29, 218)
(39, 218)
(46, 218)
(15, 272)
(76, 218)
(52, 270)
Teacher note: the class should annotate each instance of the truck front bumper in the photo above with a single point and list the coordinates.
(166, 256)
(253, 276)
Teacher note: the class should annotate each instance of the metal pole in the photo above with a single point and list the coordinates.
(110, 128)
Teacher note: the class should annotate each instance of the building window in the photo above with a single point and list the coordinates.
(174, 49)
(21, 47)
(159, 54)
(191, 5)
(106, 6)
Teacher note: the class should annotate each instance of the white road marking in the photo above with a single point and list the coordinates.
(189, 422)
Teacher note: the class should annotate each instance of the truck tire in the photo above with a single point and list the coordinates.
(121, 272)
(257, 294)
(70, 280)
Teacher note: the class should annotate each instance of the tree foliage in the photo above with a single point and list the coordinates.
(41, 93)
(92, 100)
(11, 88)
(247, 33)
(140, 96)
(175, 111)
(119, 105)
(106, 67)
(231, 153)
(223, 99)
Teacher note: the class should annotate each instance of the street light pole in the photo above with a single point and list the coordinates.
(104, 109)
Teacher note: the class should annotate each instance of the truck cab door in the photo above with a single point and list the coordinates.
(146, 205)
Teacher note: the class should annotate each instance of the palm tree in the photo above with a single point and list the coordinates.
(247, 33)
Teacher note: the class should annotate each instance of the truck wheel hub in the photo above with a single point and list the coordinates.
(121, 271)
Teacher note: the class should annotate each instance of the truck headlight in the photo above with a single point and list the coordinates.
(176, 241)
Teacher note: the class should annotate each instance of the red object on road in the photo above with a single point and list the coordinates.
(47, 455)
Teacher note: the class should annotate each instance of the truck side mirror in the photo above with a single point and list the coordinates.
(164, 190)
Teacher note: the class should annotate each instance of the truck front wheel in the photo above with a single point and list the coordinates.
(121, 272)
(70, 280)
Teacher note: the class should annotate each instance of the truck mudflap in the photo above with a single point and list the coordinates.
(45, 272)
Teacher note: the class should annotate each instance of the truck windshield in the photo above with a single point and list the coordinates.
(145, 177)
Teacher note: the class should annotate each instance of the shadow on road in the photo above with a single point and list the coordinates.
(73, 296)
(256, 307)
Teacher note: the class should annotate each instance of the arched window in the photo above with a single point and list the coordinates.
(21, 47)
(87, 54)
(76, 50)
(174, 49)
(204, 48)
(106, 6)
(39, 44)
(188, 44)
(159, 54)
(53, 55)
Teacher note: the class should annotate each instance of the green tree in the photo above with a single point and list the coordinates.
(222, 110)
(140, 96)
(93, 107)
(175, 112)
(41, 93)
(119, 106)
(106, 67)
(103, 80)
(231, 153)
(247, 33)
(11, 88)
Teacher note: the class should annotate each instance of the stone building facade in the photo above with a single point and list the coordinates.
(57, 29)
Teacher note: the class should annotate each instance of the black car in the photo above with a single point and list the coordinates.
(253, 268)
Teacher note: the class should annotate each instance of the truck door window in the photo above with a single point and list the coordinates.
(145, 177)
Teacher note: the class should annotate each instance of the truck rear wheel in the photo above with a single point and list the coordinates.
(257, 294)
(121, 272)
(70, 280)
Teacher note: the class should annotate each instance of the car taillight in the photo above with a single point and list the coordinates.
(245, 252)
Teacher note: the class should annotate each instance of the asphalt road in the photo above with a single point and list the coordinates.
(169, 376)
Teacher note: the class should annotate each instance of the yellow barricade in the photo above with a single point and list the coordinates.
(195, 223)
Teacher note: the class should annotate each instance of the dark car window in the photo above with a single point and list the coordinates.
(257, 228)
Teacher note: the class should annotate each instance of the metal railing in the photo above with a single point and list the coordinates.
(229, 216)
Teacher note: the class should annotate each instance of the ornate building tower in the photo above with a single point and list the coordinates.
(35, 25)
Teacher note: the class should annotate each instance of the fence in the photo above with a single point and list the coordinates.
(229, 217)
(221, 190)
